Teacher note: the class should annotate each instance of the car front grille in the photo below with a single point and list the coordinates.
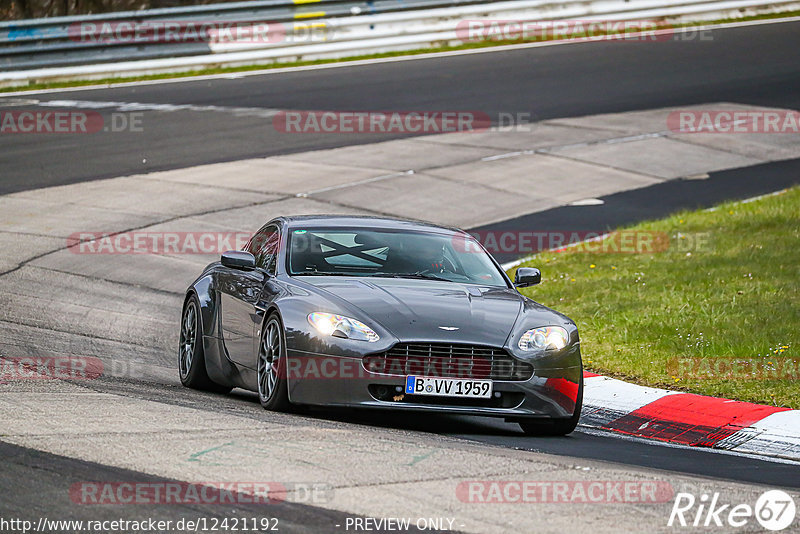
(448, 361)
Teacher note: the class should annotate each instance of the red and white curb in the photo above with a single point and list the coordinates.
(689, 419)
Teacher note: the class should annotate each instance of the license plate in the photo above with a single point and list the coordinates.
(448, 387)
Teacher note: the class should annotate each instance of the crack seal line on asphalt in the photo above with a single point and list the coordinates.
(135, 228)
(358, 182)
(72, 332)
(26, 262)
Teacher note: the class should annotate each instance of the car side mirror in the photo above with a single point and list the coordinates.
(527, 276)
(236, 259)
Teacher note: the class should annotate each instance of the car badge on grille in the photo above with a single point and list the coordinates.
(449, 328)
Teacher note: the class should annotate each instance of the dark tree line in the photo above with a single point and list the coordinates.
(29, 9)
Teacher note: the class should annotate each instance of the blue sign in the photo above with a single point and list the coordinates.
(410, 384)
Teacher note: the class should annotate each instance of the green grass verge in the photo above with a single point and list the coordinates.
(645, 317)
(230, 70)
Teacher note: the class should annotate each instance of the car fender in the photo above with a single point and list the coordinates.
(218, 366)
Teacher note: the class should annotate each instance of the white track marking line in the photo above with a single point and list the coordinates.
(166, 108)
(587, 202)
(752, 199)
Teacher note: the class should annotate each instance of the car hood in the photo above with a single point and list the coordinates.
(429, 310)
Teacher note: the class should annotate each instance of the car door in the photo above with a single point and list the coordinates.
(240, 291)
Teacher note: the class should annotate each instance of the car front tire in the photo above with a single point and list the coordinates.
(273, 391)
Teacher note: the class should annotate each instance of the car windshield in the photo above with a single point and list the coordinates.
(392, 254)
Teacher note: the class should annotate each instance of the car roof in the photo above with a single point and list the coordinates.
(362, 221)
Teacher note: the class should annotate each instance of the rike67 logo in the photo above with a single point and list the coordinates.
(774, 510)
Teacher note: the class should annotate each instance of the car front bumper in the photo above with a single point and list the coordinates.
(338, 381)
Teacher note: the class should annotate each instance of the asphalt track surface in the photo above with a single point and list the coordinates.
(756, 65)
(655, 201)
(599, 445)
(47, 494)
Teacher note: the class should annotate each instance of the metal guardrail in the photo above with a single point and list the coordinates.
(42, 50)
(37, 43)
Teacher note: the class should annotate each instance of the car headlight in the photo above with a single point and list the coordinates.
(334, 325)
(545, 337)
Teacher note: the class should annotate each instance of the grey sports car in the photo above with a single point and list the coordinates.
(367, 312)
